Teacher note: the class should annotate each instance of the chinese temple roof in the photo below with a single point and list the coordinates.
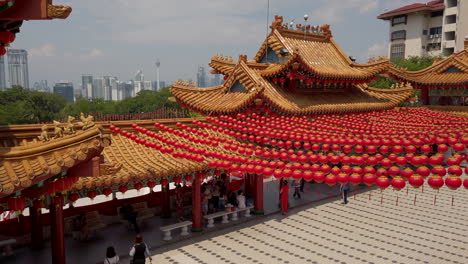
(35, 161)
(436, 5)
(295, 72)
(452, 71)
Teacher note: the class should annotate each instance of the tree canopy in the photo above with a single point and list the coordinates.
(24, 106)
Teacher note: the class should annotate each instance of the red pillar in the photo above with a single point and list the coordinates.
(165, 201)
(258, 202)
(425, 95)
(57, 232)
(196, 205)
(37, 235)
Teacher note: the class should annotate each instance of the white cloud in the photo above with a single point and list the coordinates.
(377, 49)
(333, 11)
(46, 50)
(91, 54)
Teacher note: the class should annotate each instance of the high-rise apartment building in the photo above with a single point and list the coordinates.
(18, 67)
(201, 77)
(41, 86)
(98, 88)
(435, 28)
(3, 84)
(87, 85)
(65, 89)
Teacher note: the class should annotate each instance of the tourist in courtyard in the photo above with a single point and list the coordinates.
(79, 227)
(232, 199)
(179, 198)
(222, 198)
(215, 197)
(129, 214)
(139, 251)
(344, 188)
(240, 199)
(111, 256)
(284, 194)
(297, 186)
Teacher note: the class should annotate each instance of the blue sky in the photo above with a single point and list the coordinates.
(118, 37)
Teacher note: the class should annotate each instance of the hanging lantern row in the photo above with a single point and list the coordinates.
(311, 136)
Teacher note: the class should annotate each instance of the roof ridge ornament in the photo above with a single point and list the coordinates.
(243, 57)
(277, 23)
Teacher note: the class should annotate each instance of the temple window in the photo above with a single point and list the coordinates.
(271, 57)
(237, 87)
(453, 69)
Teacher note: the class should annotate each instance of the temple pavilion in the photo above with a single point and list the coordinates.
(301, 109)
(444, 83)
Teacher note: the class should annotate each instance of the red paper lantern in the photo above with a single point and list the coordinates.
(442, 148)
(187, 178)
(393, 171)
(319, 176)
(435, 181)
(465, 183)
(91, 194)
(123, 188)
(342, 178)
(426, 148)
(398, 183)
(73, 197)
(382, 182)
(439, 170)
(453, 182)
(369, 179)
(416, 180)
(107, 191)
(138, 186)
(330, 179)
(38, 203)
(16, 203)
(355, 179)
(423, 171)
(308, 175)
(459, 147)
(407, 173)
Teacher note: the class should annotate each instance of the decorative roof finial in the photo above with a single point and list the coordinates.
(276, 24)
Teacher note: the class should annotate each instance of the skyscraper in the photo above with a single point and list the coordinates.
(41, 86)
(98, 88)
(158, 64)
(201, 77)
(65, 89)
(87, 85)
(18, 67)
(2, 74)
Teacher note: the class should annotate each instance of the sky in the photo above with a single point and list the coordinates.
(118, 37)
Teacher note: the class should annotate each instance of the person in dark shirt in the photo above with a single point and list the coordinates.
(344, 191)
(129, 214)
(139, 251)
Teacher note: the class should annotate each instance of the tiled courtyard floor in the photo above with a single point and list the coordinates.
(363, 231)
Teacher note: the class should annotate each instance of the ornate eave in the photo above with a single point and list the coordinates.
(436, 74)
(36, 161)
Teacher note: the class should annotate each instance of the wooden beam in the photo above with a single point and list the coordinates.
(26, 10)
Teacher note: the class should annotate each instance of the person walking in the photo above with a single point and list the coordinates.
(139, 251)
(129, 214)
(297, 186)
(179, 198)
(284, 193)
(111, 256)
(344, 192)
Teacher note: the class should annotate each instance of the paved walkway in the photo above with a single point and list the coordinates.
(363, 231)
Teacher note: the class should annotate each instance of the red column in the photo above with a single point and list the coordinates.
(425, 95)
(258, 202)
(196, 205)
(37, 235)
(56, 230)
(165, 201)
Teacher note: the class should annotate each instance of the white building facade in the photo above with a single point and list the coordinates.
(436, 28)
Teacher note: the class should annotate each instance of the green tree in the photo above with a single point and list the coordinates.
(413, 63)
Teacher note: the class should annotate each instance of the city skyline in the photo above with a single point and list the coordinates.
(182, 39)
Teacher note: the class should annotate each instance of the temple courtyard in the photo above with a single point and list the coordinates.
(326, 231)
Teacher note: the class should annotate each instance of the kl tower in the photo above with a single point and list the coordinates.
(157, 75)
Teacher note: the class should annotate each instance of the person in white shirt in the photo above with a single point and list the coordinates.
(111, 256)
(240, 199)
